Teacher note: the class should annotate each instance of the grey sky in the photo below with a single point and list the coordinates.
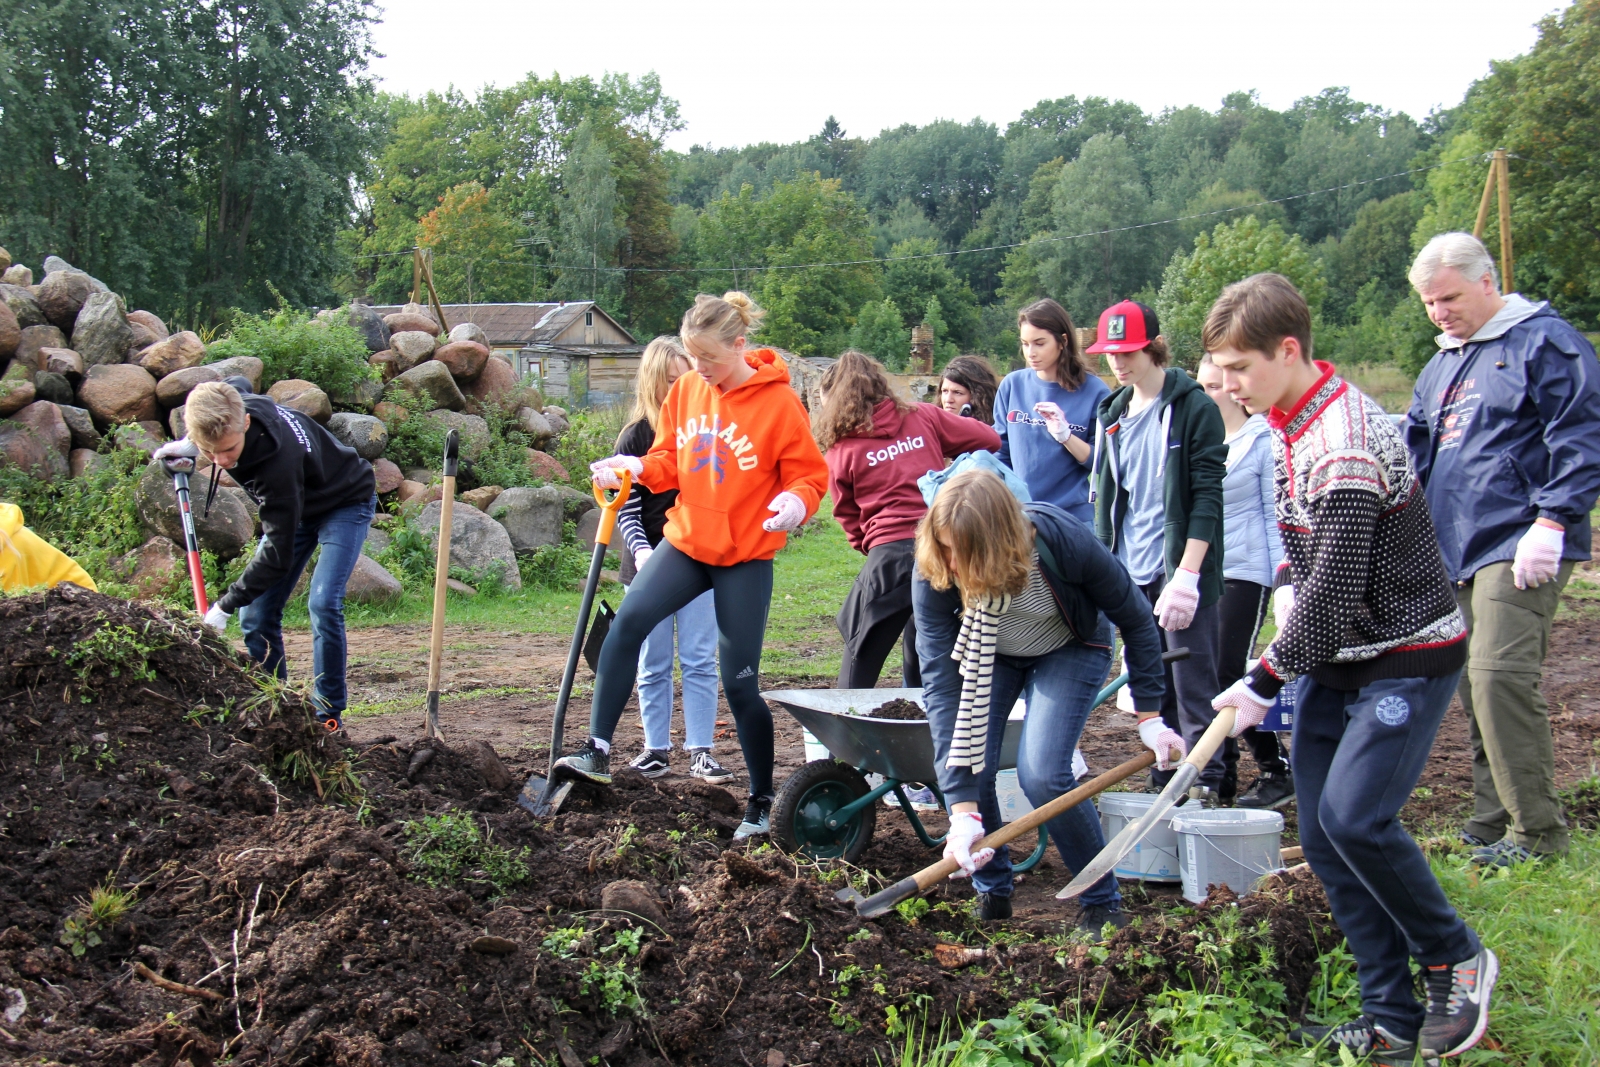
(774, 72)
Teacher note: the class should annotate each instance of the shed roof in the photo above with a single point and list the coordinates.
(517, 324)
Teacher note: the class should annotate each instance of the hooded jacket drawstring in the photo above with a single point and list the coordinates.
(211, 493)
(1166, 433)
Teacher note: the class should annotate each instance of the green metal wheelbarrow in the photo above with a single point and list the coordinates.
(828, 810)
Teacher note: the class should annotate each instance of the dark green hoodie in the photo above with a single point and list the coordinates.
(1192, 490)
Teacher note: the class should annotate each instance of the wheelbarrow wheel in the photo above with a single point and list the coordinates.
(806, 801)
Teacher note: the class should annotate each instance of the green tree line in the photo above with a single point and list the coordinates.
(191, 156)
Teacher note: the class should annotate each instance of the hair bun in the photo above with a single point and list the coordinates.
(750, 312)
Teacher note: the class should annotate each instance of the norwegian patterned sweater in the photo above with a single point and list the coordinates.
(1372, 599)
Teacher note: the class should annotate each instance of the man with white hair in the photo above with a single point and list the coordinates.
(1504, 430)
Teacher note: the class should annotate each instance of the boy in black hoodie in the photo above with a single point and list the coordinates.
(313, 491)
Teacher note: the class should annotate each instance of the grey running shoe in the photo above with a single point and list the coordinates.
(757, 818)
(1362, 1037)
(1503, 853)
(1458, 1004)
(588, 764)
(1472, 840)
(652, 763)
(704, 767)
(1268, 791)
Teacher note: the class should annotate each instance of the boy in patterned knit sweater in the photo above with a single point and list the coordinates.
(1371, 628)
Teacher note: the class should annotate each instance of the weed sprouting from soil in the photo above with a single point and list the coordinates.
(449, 848)
(106, 906)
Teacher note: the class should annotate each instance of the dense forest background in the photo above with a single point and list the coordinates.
(211, 158)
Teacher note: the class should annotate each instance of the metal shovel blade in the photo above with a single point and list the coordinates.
(543, 797)
(1123, 843)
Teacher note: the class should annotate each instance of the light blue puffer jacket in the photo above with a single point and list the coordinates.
(1251, 548)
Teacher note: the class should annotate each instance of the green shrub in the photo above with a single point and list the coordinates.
(293, 344)
(593, 436)
(93, 519)
(416, 442)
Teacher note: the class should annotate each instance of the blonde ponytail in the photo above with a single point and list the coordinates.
(724, 318)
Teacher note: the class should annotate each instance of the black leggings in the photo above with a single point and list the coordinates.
(1244, 610)
(742, 593)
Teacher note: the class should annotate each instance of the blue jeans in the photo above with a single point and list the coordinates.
(696, 625)
(1060, 688)
(341, 534)
(1357, 756)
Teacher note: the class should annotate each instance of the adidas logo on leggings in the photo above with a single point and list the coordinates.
(746, 673)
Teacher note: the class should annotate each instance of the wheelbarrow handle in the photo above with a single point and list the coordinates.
(611, 505)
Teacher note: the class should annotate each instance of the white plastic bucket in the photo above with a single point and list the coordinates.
(1227, 846)
(1013, 802)
(815, 749)
(1154, 859)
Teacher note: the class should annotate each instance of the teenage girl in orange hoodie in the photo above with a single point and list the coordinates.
(733, 439)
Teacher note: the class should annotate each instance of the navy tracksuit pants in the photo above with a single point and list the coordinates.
(1357, 756)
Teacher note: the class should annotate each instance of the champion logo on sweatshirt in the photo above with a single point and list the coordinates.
(896, 450)
(714, 445)
(1028, 418)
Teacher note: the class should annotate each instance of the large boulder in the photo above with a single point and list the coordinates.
(302, 396)
(86, 461)
(386, 363)
(432, 383)
(17, 390)
(535, 425)
(5, 259)
(469, 331)
(478, 544)
(497, 387)
(360, 395)
(474, 430)
(364, 433)
(370, 583)
(411, 347)
(28, 450)
(247, 367)
(17, 274)
(481, 497)
(101, 333)
(464, 358)
(532, 517)
(119, 392)
(23, 305)
(175, 388)
(154, 567)
(53, 387)
(151, 322)
(178, 421)
(81, 426)
(225, 530)
(412, 317)
(62, 295)
(33, 341)
(546, 467)
(143, 338)
(10, 332)
(46, 420)
(387, 475)
(370, 325)
(182, 349)
(63, 361)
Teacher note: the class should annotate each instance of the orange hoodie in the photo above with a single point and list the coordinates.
(728, 454)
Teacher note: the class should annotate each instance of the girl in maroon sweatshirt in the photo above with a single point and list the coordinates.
(877, 446)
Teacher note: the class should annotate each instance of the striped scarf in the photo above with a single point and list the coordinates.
(974, 650)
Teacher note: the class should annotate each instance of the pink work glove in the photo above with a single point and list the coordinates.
(1250, 708)
(641, 557)
(791, 512)
(1162, 739)
(1179, 600)
(603, 472)
(966, 829)
(1055, 423)
(1538, 556)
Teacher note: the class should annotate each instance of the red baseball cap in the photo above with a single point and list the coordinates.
(1126, 327)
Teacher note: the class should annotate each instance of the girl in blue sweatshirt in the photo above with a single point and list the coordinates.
(1045, 413)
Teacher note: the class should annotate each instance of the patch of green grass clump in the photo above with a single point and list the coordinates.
(449, 848)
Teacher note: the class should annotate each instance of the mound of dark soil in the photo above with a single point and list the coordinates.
(272, 914)
(905, 710)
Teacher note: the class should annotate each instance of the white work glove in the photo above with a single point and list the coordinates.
(966, 829)
(217, 619)
(177, 455)
(604, 472)
(791, 512)
(1250, 708)
(641, 557)
(1055, 423)
(1538, 556)
(1161, 739)
(1282, 605)
(1179, 600)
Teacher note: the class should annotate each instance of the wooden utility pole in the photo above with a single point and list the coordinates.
(422, 275)
(1499, 177)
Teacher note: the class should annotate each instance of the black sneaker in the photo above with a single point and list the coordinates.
(1096, 917)
(1472, 840)
(704, 767)
(1269, 791)
(757, 818)
(992, 908)
(652, 763)
(1503, 853)
(1458, 1004)
(588, 763)
(1362, 1037)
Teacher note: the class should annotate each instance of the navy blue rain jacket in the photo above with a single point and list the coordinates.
(1505, 429)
